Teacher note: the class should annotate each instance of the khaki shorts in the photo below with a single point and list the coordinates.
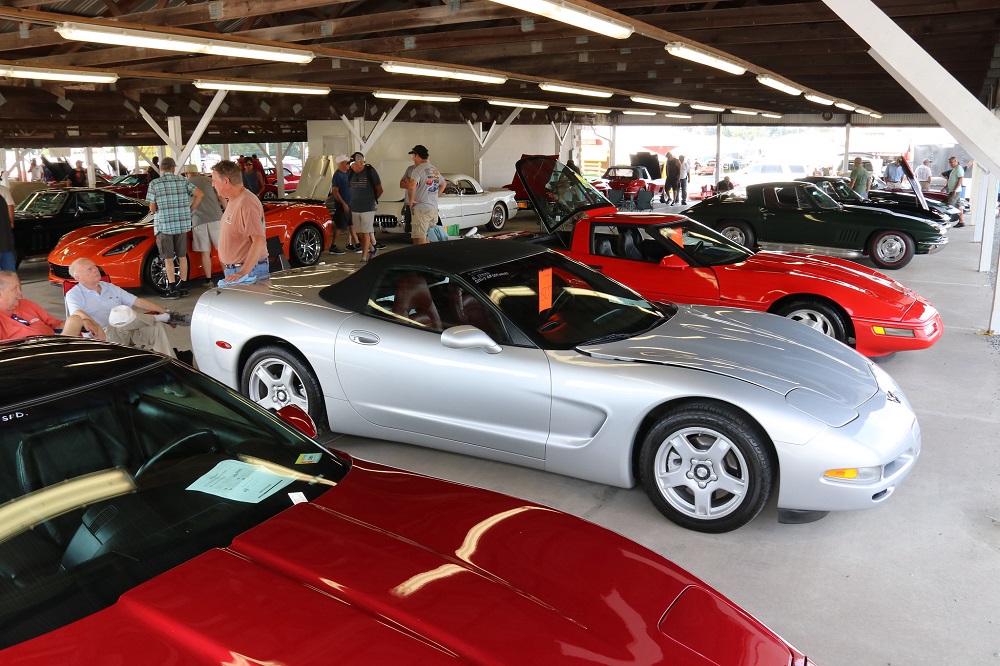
(422, 222)
(205, 236)
(172, 246)
(363, 223)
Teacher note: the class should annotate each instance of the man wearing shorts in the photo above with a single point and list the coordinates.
(366, 188)
(339, 205)
(171, 199)
(422, 193)
(204, 220)
(242, 239)
(955, 187)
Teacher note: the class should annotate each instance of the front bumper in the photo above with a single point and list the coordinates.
(931, 245)
(921, 327)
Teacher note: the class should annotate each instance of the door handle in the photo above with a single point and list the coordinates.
(364, 337)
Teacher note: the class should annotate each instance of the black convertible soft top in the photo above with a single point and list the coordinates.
(454, 257)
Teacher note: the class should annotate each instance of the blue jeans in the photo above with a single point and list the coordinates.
(259, 272)
(8, 261)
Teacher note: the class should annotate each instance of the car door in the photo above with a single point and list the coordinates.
(476, 204)
(792, 217)
(632, 255)
(396, 372)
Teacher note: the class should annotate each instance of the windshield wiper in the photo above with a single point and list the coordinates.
(610, 338)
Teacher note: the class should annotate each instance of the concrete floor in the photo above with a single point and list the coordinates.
(913, 582)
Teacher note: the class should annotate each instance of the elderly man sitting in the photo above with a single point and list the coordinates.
(111, 307)
(21, 318)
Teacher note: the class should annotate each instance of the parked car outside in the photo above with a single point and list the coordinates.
(800, 217)
(128, 254)
(462, 202)
(766, 172)
(141, 512)
(291, 178)
(673, 258)
(712, 409)
(45, 216)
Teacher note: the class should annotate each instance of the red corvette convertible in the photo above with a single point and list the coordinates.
(160, 518)
(674, 258)
(127, 252)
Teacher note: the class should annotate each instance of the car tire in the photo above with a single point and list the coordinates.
(891, 250)
(275, 376)
(269, 196)
(738, 231)
(306, 246)
(823, 317)
(497, 218)
(154, 274)
(707, 467)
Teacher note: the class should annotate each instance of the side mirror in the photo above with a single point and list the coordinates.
(672, 261)
(469, 337)
(299, 419)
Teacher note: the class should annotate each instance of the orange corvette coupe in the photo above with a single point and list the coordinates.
(127, 252)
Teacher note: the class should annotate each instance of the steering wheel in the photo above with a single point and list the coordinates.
(175, 443)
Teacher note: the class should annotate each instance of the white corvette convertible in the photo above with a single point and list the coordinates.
(462, 201)
(712, 409)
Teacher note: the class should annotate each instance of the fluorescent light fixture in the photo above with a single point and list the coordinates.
(241, 86)
(420, 97)
(578, 17)
(101, 34)
(48, 74)
(514, 102)
(778, 84)
(650, 100)
(706, 107)
(442, 72)
(677, 115)
(875, 114)
(826, 101)
(865, 112)
(771, 115)
(584, 109)
(682, 50)
(741, 112)
(639, 113)
(573, 90)
(844, 105)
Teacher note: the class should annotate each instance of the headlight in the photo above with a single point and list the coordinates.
(127, 246)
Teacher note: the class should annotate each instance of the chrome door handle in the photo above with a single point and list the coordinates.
(364, 337)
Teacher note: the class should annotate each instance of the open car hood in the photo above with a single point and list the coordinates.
(394, 567)
(917, 191)
(763, 349)
(558, 193)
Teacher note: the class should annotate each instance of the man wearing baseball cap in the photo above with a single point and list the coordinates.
(339, 205)
(422, 194)
(172, 199)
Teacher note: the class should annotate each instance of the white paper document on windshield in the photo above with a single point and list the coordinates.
(239, 481)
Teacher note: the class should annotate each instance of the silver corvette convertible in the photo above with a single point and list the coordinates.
(711, 409)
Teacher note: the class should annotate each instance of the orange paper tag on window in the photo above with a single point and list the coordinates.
(544, 289)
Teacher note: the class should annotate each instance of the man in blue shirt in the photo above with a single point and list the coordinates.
(894, 174)
(339, 205)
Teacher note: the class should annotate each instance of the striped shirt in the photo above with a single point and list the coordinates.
(172, 195)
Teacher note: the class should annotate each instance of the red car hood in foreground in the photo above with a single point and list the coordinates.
(392, 567)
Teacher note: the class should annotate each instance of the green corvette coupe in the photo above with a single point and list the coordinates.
(800, 217)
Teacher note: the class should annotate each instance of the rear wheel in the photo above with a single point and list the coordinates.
(817, 315)
(738, 232)
(307, 246)
(497, 218)
(891, 249)
(706, 467)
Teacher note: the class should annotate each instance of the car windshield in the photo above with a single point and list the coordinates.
(44, 202)
(705, 246)
(557, 192)
(126, 180)
(819, 198)
(560, 304)
(107, 486)
(839, 189)
(620, 172)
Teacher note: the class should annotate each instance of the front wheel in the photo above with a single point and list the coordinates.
(497, 218)
(817, 315)
(739, 232)
(154, 273)
(891, 249)
(706, 467)
(274, 377)
(269, 195)
(307, 246)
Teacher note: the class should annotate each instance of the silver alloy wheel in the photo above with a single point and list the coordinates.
(891, 248)
(274, 383)
(813, 319)
(735, 234)
(307, 246)
(158, 273)
(701, 473)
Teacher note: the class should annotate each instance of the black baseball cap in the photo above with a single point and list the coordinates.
(420, 152)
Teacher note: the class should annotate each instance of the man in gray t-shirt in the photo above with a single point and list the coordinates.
(205, 219)
(422, 193)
